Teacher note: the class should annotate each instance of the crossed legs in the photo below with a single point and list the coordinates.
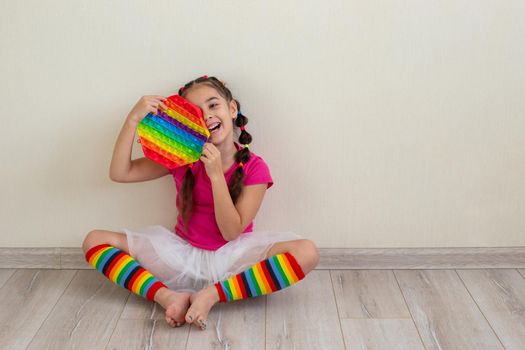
(177, 304)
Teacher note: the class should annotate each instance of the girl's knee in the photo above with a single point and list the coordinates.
(312, 251)
(90, 240)
(307, 254)
(96, 237)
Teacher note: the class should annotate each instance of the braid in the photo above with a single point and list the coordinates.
(242, 156)
(185, 202)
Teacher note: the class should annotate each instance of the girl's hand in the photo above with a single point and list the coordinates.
(211, 157)
(145, 105)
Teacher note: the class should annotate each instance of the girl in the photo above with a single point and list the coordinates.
(212, 255)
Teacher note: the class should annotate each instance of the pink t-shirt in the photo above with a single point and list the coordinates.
(203, 231)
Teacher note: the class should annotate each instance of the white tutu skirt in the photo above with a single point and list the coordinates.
(183, 267)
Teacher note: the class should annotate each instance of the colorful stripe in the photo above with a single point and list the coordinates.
(123, 270)
(288, 270)
(174, 137)
(261, 279)
(267, 276)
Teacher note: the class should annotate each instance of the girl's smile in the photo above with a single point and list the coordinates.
(214, 127)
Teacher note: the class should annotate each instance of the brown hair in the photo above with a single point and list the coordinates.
(242, 156)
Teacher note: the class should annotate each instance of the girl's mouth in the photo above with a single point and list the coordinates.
(214, 128)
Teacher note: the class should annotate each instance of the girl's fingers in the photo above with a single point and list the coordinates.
(162, 104)
(216, 151)
(156, 101)
(157, 98)
(210, 147)
(157, 104)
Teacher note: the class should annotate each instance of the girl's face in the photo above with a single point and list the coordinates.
(218, 113)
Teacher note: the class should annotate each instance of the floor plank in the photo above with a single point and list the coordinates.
(26, 300)
(236, 325)
(368, 294)
(142, 326)
(138, 308)
(85, 316)
(522, 272)
(500, 294)
(444, 313)
(304, 316)
(148, 334)
(373, 313)
(5, 275)
(380, 334)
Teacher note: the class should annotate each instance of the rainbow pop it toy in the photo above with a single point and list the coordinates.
(174, 137)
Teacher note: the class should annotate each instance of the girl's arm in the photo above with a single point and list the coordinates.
(122, 168)
(233, 219)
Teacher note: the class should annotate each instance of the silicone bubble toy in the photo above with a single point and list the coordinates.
(174, 137)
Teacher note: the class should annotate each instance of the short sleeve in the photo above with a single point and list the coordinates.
(257, 172)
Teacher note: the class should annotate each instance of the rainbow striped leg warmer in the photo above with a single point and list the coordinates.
(122, 269)
(267, 276)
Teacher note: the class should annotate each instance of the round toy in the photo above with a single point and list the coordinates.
(174, 137)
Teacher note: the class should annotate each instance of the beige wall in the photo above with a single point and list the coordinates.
(385, 123)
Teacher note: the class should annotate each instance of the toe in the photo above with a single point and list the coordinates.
(202, 323)
(171, 321)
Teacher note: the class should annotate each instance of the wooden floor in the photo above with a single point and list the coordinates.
(330, 309)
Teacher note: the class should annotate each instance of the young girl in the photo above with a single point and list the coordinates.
(213, 254)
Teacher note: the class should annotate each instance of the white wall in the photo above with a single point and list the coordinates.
(385, 123)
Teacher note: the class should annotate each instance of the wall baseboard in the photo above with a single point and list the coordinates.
(331, 258)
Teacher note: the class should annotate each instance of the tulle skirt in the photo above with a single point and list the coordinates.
(183, 267)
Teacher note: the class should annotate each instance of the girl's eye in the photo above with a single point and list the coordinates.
(213, 105)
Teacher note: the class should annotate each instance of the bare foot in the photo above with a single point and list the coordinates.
(175, 303)
(201, 304)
